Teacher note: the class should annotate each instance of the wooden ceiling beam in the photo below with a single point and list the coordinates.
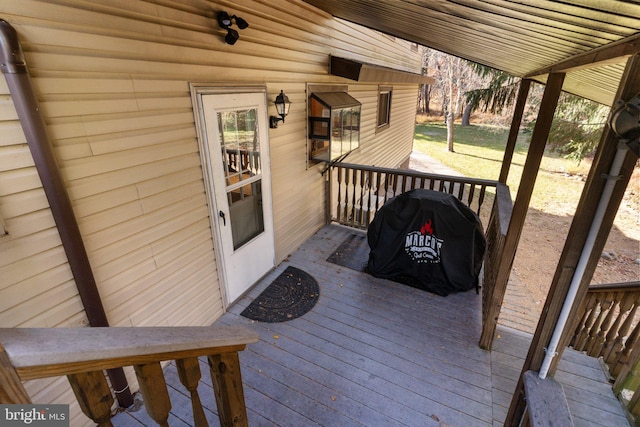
(612, 53)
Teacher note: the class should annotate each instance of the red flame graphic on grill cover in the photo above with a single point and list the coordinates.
(426, 228)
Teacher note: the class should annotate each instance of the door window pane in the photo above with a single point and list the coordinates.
(239, 144)
(241, 162)
(245, 206)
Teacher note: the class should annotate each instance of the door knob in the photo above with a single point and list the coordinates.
(224, 218)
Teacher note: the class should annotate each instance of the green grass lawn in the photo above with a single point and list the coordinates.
(478, 153)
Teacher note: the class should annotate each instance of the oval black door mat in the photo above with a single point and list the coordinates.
(293, 293)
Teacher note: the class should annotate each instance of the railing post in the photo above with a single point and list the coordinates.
(227, 386)
(11, 389)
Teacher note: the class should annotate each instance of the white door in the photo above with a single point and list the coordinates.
(238, 151)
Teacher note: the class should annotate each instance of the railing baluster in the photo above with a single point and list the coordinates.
(583, 338)
(624, 306)
(583, 314)
(634, 403)
(608, 312)
(614, 354)
(354, 177)
(483, 190)
(388, 185)
(472, 189)
(363, 204)
(154, 391)
(394, 184)
(625, 354)
(94, 396)
(378, 184)
(340, 171)
(189, 374)
(369, 216)
(346, 196)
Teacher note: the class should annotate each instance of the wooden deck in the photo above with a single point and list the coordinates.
(376, 353)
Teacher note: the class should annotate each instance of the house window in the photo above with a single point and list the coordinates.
(384, 107)
(334, 125)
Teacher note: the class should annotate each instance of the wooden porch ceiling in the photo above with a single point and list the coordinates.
(525, 38)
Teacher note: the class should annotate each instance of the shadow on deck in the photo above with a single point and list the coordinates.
(376, 353)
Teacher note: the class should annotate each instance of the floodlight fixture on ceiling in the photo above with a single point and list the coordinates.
(225, 21)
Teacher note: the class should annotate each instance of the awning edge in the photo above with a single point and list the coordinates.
(369, 73)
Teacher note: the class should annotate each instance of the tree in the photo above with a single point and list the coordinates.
(498, 93)
(577, 126)
(452, 75)
(424, 92)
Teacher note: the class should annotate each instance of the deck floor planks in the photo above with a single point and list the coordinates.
(405, 358)
(377, 353)
(389, 333)
(388, 385)
(342, 383)
(390, 367)
(342, 379)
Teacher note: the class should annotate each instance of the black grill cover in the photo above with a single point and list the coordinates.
(427, 239)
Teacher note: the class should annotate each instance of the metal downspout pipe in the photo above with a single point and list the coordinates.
(614, 171)
(14, 68)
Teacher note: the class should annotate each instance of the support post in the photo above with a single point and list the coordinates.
(573, 248)
(516, 121)
(521, 205)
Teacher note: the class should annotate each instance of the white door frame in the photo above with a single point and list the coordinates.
(198, 90)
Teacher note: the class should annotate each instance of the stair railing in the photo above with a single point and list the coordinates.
(82, 354)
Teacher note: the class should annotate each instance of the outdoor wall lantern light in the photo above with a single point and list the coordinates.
(225, 21)
(282, 107)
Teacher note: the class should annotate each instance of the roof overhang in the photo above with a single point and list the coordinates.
(369, 73)
(589, 40)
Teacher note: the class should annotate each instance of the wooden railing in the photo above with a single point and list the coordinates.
(242, 160)
(494, 287)
(358, 192)
(82, 354)
(609, 327)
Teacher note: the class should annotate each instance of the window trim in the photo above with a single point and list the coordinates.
(384, 125)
